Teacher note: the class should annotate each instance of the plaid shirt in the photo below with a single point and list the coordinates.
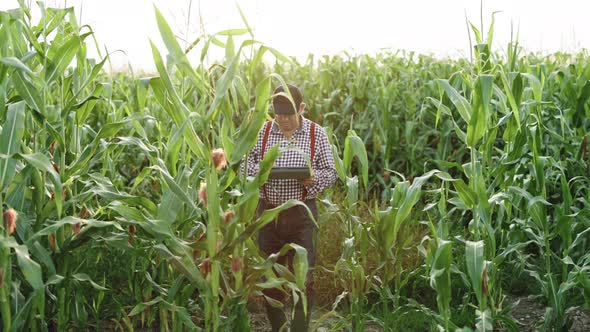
(281, 190)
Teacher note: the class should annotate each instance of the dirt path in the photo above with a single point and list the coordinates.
(320, 319)
(259, 323)
(529, 314)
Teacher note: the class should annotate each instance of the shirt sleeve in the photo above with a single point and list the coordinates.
(324, 170)
(251, 161)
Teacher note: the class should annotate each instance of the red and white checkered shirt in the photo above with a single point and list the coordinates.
(279, 191)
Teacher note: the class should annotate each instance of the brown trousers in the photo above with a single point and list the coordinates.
(292, 226)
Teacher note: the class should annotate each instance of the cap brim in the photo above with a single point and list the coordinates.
(285, 109)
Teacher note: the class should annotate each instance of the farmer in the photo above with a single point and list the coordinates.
(293, 225)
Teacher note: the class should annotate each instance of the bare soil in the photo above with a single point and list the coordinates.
(529, 314)
(320, 319)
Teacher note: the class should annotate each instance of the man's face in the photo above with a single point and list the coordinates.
(287, 122)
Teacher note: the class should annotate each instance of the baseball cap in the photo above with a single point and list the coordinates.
(281, 103)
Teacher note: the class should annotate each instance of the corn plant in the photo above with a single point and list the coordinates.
(233, 238)
(123, 202)
(439, 260)
(352, 263)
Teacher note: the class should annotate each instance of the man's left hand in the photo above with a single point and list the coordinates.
(307, 182)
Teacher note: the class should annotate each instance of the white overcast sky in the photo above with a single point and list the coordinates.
(329, 26)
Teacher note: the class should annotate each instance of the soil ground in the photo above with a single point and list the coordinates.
(529, 314)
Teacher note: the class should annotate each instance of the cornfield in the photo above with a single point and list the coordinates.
(461, 182)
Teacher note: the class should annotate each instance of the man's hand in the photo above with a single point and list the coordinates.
(306, 182)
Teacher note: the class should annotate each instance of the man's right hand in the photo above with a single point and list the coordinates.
(307, 182)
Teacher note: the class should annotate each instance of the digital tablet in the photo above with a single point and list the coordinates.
(289, 173)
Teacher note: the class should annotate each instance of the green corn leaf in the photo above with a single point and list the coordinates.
(248, 131)
(478, 124)
(340, 168)
(168, 97)
(16, 64)
(63, 57)
(30, 269)
(23, 313)
(405, 197)
(10, 141)
(266, 217)
(474, 256)
(582, 99)
(352, 191)
(178, 55)
(411, 198)
(300, 265)
(175, 144)
(112, 194)
(233, 32)
(467, 195)
(459, 101)
(249, 200)
(213, 209)
(440, 276)
(484, 321)
(222, 85)
(536, 86)
(129, 213)
(42, 255)
(174, 186)
(355, 147)
(86, 278)
(84, 108)
(513, 95)
(109, 130)
(43, 163)
(179, 311)
(29, 91)
(87, 224)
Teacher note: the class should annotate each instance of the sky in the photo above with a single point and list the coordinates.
(125, 27)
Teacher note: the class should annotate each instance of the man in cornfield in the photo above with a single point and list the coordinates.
(293, 225)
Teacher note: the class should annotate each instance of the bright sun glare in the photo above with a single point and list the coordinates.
(330, 27)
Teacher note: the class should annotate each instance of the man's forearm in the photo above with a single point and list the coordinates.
(324, 178)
